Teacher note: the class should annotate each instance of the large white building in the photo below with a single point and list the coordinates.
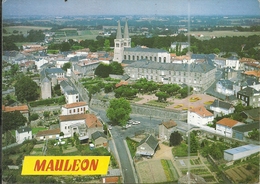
(74, 108)
(22, 134)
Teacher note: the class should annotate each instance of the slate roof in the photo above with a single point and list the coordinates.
(253, 113)
(140, 49)
(151, 141)
(226, 83)
(221, 104)
(98, 134)
(23, 129)
(248, 91)
(233, 58)
(198, 68)
(248, 127)
(54, 70)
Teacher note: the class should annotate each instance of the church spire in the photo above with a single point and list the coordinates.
(119, 34)
(126, 34)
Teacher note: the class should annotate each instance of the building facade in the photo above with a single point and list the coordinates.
(198, 75)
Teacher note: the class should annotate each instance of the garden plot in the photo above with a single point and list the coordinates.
(151, 171)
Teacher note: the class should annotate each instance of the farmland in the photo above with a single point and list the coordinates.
(241, 174)
(209, 35)
(23, 29)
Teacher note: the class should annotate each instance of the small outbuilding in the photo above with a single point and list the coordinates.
(241, 152)
(147, 146)
(99, 138)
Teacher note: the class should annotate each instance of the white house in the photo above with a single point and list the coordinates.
(221, 108)
(22, 134)
(147, 146)
(71, 95)
(233, 62)
(241, 152)
(225, 87)
(74, 108)
(200, 116)
(39, 62)
(225, 125)
(61, 61)
(82, 124)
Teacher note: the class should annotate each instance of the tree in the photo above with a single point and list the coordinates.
(26, 89)
(119, 111)
(13, 120)
(66, 66)
(254, 134)
(193, 143)
(103, 70)
(107, 45)
(162, 96)
(116, 68)
(175, 138)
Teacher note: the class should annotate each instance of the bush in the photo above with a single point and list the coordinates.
(33, 117)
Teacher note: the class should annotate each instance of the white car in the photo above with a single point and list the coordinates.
(127, 125)
(135, 123)
(110, 127)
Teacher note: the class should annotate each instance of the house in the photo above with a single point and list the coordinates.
(22, 134)
(70, 93)
(200, 116)
(74, 108)
(82, 124)
(179, 46)
(225, 87)
(241, 132)
(147, 146)
(233, 62)
(241, 152)
(166, 128)
(48, 134)
(225, 126)
(23, 109)
(250, 96)
(252, 115)
(99, 138)
(221, 108)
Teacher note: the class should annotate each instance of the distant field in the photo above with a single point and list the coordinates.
(24, 29)
(208, 35)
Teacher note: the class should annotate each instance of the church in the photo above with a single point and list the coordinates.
(123, 50)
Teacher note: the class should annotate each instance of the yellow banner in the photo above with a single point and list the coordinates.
(65, 165)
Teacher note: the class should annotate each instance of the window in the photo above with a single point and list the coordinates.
(74, 110)
(133, 57)
(155, 59)
(164, 59)
(70, 111)
(129, 57)
(117, 44)
(160, 59)
(124, 56)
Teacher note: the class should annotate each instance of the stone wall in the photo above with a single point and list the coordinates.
(146, 110)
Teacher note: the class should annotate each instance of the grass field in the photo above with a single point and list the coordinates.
(208, 35)
(23, 29)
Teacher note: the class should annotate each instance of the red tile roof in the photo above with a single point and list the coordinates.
(227, 122)
(111, 179)
(48, 132)
(169, 124)
(201, 111)
(76, 104)
(15, 108)
(122, 83)
(90, 119)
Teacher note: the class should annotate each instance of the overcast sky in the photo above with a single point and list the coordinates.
(130, 7)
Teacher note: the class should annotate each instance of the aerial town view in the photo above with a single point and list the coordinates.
(147, 91)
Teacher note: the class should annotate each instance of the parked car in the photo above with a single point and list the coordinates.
(110, 127)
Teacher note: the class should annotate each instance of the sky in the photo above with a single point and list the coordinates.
(129, 7)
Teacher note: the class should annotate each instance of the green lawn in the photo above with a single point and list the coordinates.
(37, 129)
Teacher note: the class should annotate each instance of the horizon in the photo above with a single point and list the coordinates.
(130, 8)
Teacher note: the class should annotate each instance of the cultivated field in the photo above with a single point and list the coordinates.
(208, 35)
(151, 171)
(240, 174)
